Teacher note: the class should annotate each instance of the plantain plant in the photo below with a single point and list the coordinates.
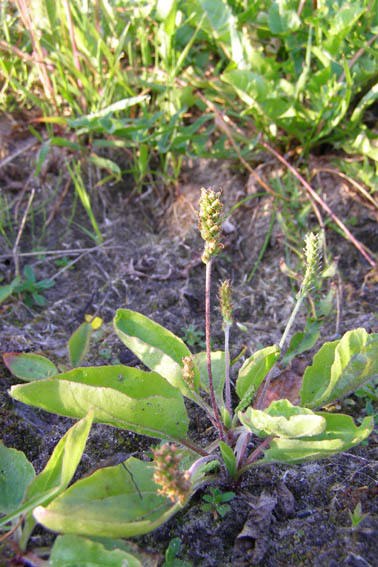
(137, 496)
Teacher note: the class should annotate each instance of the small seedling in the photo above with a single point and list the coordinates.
(216, 502)
(357, 516)
(63, 262)
(193, 337)
(28, 286)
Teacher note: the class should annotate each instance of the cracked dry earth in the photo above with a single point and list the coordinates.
(150, 262)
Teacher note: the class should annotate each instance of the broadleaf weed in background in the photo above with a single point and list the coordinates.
(297, 72)
(137, 496)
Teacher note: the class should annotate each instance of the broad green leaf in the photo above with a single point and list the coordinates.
(16, 473)
(339, 368)
(108, 164)
(340, 435)
(229, 458)
(60, 468)
(251, 87)
(78, 343)
(64, 460)
(282, 20)
(159, 349)
(7, 290)
(254, 370)
(220, 17)
(119, 501)
(57, 474)
(363, 143)
(28, 366)
(282, 419)
(71, 551)
(370, 97)
(121, 396)
(218, 373)
(115, 107)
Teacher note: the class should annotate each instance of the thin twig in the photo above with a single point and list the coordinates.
(58, 202)
(63, 252)
(324, 205)
(227, 368)
(253, 456)
(18, 152)
(357, 55)
(353, 182)
(88, 251)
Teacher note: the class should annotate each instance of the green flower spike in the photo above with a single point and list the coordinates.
(210, 223)
(312, 258)
(175, 484)
(188, 371)
(225, 302)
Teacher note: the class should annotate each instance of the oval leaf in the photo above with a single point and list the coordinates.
(64, 460)
(339, 368)
(7, 290)
(282, 419)
(254, 370)
(229, 458)
(218, 371)
(78, 343)
(120, 396)
(119, 501)
(159, 349)
(16, 473)
(71, 551)
(339, 435)
(28, 366)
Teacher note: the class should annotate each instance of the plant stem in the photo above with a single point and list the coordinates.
(253, 456)
(260, 401)
(208, 350)
(192, 447)
(227, 368)
(322, 203)
(200, 462)
(291, 320)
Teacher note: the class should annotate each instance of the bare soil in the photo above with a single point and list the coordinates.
(150, 262)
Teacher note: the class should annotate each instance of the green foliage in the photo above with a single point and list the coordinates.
(34, 490)
(192, 336)
(78, 343)
(216, 502)
(121, 396)
(29, 287)
(16, 473)
(71, 550)
(113, 502)
(348, 363)
(29, 366)
(283, 65)
(357, 516)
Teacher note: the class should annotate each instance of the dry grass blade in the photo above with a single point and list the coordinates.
(353, 182)
(324, 205)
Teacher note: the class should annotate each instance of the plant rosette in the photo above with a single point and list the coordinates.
(137, 496)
